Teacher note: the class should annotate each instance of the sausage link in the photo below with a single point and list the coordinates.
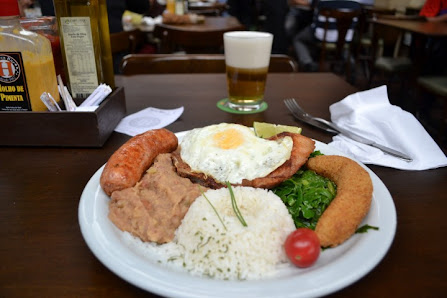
(128, 164)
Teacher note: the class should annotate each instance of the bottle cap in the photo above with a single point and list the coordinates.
(9, 8)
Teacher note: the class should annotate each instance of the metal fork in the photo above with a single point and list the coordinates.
(301, 115)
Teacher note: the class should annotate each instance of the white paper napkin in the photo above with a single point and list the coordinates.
(370, 114)
(149, 118)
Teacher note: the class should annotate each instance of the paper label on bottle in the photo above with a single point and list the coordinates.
(179, 8)
(14, 95)
(80, 55)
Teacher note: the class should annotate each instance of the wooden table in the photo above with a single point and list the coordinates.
(421, 31)
(435, 29)
(203, 37)
(42, 251)
(207, 8)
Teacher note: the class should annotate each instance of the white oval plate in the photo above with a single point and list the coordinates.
(335, 269)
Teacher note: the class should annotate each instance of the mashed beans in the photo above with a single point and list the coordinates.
(203, 247)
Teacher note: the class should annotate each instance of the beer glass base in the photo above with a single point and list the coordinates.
(225, 105)
(244, 108)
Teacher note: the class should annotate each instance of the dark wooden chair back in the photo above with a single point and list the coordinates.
(126, 41)
(192, 63)
(344, 19)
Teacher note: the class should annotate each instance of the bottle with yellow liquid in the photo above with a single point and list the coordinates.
(85, 44)
(26, 64)
(170, 6)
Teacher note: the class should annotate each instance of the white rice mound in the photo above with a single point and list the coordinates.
(203, 247)
(237, 252)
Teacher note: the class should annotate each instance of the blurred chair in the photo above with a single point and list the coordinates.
(124, 43)
(192, 63)
(365, 33)
(340, 51)
(127, 41)
(436, 86)
(387, 56)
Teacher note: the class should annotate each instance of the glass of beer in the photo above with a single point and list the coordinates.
(247, 57)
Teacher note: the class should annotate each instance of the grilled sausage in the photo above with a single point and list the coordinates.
(128, 164)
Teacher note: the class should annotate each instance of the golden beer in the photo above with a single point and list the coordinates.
(246, 86)
(247, 57)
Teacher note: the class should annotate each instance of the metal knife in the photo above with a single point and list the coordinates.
(366, 141)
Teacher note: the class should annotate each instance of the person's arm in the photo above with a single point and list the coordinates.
(441, 18)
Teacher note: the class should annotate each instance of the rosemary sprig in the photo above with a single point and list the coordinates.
(203, 194)
(235, 207)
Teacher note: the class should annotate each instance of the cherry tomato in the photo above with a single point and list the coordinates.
(302, 247)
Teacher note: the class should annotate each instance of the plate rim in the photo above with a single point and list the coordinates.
(161, 285)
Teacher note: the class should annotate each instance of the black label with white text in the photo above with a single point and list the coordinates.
(14, 95)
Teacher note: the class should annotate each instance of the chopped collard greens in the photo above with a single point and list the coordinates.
(306, 196)
(365, 228)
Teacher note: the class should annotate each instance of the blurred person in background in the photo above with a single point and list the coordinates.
(434, 10)
(435, 47)
(242, 10)
(155, 8)
(305, 42)
(47, 8)
(275, 12)
(299, 16)
(116, 9)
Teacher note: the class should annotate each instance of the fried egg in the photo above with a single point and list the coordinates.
(232, 152)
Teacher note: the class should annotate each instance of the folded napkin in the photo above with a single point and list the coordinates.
(147, 119)
(370, 114)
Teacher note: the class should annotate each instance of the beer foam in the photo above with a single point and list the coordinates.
(247, 49)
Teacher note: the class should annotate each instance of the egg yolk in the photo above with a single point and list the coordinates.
(228, 139)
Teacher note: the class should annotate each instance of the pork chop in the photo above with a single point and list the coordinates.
(302, 148)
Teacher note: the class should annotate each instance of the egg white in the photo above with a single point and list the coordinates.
(232, 152)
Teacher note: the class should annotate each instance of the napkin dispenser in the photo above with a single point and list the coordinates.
(64, 129)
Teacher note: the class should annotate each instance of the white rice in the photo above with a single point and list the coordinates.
(203, 247)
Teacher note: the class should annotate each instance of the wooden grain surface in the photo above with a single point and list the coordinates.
(43, 254)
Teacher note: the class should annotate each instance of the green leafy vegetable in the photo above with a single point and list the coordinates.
(306, 196)
(365, 228)
(315, 153)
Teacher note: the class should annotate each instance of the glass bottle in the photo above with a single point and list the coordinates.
(85, 44)
(179, 7)
(170, 6)
(26, 64)
(47, 26)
